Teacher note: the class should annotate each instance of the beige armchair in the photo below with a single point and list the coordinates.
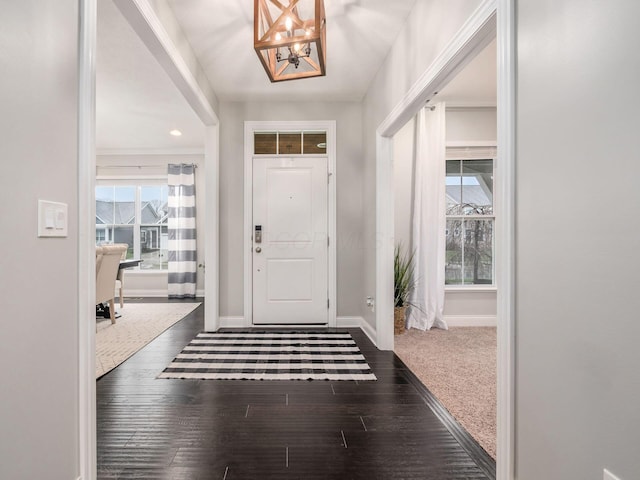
(107, 265)
(120, 277)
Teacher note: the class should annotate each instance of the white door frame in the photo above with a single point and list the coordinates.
(505, 239)
(471, 39)
(273, 126)
(493, 18)
(87, 456)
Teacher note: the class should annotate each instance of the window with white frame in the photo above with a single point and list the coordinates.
(470, 222)
(136, 215)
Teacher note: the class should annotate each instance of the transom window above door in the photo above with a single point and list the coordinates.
(290, 143)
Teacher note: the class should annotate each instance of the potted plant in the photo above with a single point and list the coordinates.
(404, 284)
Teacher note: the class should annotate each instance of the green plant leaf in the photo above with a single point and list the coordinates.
(404, 281)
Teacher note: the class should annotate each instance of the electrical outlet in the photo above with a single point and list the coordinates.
(371, 303)
(607, 475)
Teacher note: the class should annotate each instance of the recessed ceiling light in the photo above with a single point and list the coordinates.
(175, 133)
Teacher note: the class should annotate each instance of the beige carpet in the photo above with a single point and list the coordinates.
(459, 367)
(139, 324)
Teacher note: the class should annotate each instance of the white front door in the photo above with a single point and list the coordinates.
(290, 246)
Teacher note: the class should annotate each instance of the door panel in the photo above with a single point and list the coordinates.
(290, 280)
(289, 204)
(290, 263)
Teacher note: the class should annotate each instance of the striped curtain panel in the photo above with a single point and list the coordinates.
(182, 231)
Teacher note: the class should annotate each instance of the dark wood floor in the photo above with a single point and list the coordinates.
(227, 430)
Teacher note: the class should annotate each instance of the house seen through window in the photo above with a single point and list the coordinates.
(136, 215)
(470, 223)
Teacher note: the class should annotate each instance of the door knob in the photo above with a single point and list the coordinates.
(258, 249)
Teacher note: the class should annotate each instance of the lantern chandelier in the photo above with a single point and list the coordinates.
(289, 38)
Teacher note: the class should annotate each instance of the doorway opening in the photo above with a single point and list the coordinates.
(491, 20)
(456, 359)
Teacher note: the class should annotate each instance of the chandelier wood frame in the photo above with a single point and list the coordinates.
(284, 41)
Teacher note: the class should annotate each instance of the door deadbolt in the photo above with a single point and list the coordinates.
(258, 249)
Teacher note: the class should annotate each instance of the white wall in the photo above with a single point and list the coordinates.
(578, 239)
(149, 283)
(38, 277)
(349, 164)
(165, 14)
(431, 26)
(469, 125)
(404, 157)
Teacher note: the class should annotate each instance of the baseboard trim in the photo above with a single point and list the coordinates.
(240, 322)
(349, 322)
(341, 322)
(369, 331)
(471, 320)
(153, 293)
(357, 322)
(288, 325)
(232, 322)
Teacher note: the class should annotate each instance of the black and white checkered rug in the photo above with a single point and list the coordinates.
(270, 356)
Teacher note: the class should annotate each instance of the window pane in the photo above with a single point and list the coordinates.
(315, 142)
(153, 247)
(104, 205)
(264, 143)
(124, 206)
(477, 187)
(124, 235)
(453, 187)
(478, 252)
(290, 143)
(101, 234)
(115, 205)
(453, 259)
(153, 205)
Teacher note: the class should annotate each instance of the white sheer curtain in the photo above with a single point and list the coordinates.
(428, 223)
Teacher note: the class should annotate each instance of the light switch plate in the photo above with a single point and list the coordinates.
(52, 219)
(609, 476)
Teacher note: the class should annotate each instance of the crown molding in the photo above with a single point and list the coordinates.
(113, 152)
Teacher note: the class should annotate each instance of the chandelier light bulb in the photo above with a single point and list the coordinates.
(296, 47)
(278, 36)
(288, 24)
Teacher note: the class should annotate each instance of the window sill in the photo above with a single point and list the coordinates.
(470, 288)
(130, 271)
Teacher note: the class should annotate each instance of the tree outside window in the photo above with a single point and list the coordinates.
(470, 223)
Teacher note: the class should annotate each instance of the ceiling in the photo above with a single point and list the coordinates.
(359, 36)
(475, 85)
(137, 104)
